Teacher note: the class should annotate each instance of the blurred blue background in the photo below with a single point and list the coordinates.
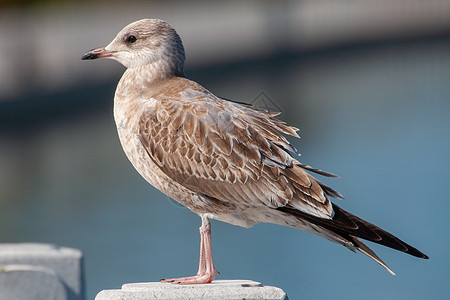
(367, 83)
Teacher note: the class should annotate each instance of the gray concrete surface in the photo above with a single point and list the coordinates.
(218, 289)
(40, 271)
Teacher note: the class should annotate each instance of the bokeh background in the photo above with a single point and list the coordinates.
(367, 83)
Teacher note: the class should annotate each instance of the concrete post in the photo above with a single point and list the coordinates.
(218, 289)
(40, 271)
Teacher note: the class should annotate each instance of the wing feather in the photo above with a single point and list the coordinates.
(229, 152)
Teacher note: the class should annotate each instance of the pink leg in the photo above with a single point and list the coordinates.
(206, 271)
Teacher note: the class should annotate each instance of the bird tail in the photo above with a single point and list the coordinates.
(350, 227)
(363, 248)
(347, 224)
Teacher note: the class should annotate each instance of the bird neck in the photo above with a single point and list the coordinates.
(139, 80)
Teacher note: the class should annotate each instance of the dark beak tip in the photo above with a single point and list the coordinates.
(89, 55)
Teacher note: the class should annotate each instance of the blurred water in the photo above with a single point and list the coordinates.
(378, 117)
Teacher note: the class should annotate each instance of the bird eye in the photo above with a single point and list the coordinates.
(131, 39)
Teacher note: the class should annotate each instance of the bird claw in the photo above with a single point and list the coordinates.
(196, 279)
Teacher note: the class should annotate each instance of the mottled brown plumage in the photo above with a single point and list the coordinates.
(221, 159)
(225, 150)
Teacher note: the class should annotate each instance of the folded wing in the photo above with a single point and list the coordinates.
(231, 152)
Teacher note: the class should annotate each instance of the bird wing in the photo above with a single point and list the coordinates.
(230, 152)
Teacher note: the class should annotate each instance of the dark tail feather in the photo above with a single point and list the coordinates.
(347, 223)
(317, 171)
(367, 251)
(329, 191)
(349, 226)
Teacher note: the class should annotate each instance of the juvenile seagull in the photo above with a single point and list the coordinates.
(223, 160)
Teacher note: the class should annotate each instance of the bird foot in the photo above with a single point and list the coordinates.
(197, 279)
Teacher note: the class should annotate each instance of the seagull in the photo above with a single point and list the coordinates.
(224, 160)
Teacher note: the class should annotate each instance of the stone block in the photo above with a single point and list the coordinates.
(218, 289)
(40, 271)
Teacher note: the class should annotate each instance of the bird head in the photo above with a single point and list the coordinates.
(145, 42)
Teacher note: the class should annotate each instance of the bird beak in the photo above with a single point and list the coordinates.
(97, 53)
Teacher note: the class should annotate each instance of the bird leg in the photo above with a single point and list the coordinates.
(206, 271)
